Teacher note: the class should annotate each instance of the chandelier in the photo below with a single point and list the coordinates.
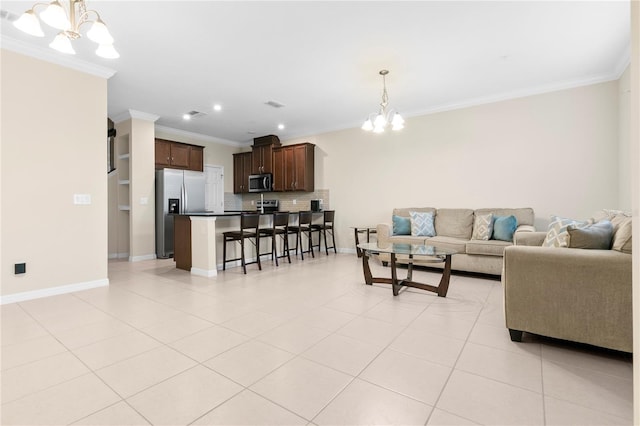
(68, 18)
(382, 118)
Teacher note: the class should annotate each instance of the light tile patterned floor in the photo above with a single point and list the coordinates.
(305, 343)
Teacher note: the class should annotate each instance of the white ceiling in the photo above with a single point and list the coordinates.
(321, 58)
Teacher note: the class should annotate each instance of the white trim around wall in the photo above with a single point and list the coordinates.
(118, 255)
(141, 258)
(208, 273)
(52, 291)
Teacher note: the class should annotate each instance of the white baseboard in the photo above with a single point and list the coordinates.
(204, 272)
(52, 291)
(118, 255)
(141, 258)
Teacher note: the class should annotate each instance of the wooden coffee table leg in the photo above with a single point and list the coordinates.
(446, 275)
(368, 278)
(394, 275)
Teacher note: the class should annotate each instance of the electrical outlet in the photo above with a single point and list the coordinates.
(252, 202)
(144, 201)
(295, 202)
(20, 268)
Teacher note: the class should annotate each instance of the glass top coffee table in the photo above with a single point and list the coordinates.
(426, 254)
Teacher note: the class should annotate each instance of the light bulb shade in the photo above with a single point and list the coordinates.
(397, 120)
(99, 33)
(378, 129)
(62, 44)
(107, 51)
(55, 16)
(29, 23)
(380, 121)
(367, 125)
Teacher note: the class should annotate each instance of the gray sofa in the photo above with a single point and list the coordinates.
(454, 228)
(580, 295)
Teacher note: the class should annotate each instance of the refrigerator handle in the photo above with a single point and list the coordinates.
(186, 198)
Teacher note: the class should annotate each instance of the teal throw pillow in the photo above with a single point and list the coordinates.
(597, 236)
(401, 225)
(504, 227)
(422, 224)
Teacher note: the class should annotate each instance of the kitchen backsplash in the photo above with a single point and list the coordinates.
(286, 199)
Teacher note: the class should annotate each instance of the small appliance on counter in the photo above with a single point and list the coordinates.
(316, 205)
(267, 206)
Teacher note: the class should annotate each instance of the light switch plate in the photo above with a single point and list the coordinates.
(82, 199)
(144, 201)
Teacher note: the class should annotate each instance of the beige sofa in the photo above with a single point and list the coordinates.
(572, 294)
(454, 228)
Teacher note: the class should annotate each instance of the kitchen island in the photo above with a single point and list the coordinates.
(198, 239)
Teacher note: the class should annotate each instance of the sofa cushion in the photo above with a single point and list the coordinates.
(557, 235)
(422, 224)
(621, 222)
(482, 227)
(524, 215)
(504, 227)
(401, 225)
(622, 234)
(456, 223)
(597, 236)
(404, 212)
(457, 244)
(487, 248)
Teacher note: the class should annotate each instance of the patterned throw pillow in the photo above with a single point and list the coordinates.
(482, 227)
(422, 224)
(401, 225)
(557, 235)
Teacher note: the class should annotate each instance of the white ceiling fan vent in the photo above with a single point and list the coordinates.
(274, 104)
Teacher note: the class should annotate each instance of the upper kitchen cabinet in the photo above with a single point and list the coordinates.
(241, 171)
(293, 167)
(179, 155)
(262, 150)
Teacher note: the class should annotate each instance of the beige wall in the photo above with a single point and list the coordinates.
(635, 198)
(555, 152)
(624, 140)
(54, 123)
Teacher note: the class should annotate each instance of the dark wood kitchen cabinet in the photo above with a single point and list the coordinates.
(179, 155)
(262, 150)
(293, 167)
(242, 164)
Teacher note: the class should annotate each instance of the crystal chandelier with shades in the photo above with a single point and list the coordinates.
(382, 118)
(68, 17)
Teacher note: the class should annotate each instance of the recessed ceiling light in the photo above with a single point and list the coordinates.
(186, 117)
(217, 107)
(281, 126)
(192, 114)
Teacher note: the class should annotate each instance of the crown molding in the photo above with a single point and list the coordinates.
(50, 55)
(133, 114)
(198, 136)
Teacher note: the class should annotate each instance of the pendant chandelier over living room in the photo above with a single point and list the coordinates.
(382, 118)
(68, 18)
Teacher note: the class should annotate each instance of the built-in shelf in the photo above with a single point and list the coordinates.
(124, 208)
(124, 156)
(123, 181)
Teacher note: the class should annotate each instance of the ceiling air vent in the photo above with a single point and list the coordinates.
(192, 114)
(274, 104)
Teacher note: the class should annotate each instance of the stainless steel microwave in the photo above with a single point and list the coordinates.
(261, 183)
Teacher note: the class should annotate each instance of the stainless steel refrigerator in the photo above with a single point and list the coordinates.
(177, 191)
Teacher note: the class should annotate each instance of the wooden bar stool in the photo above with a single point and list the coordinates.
(249, 223)
(280, 227)
(303, 227)
(323, 228)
